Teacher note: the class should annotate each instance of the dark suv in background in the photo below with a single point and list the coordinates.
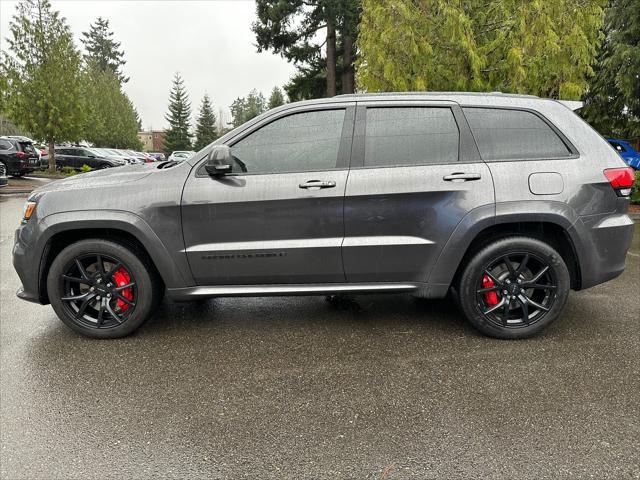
(19, 157)
(77, 157)
(507, 201)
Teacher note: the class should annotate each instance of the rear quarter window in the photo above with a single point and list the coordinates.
(5, 145)
(505, 134)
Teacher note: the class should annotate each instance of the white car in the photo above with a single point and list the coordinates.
(180, 155)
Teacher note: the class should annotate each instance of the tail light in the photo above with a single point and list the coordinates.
(621, 180)
(21, 154)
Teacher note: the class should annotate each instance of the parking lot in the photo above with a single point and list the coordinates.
(382, 387)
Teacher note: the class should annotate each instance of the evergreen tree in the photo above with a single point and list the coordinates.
(276, 98)
(111, 119)
(294, 28)
(44, 74)
(612, 104)
(178, 137)
(540, 47)
(206, 130)
(103, 50)
(244, 109)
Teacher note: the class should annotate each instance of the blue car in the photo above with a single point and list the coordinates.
(626, 151)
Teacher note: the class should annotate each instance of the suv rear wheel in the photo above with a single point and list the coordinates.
(514, 288)
(102, 289)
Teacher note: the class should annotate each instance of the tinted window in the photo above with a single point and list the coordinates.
(410, 136)
(4, 145)
(27, 147)
(513, 134)
(296, 143)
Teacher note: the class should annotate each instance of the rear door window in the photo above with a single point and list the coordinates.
(27, 147)
(504, 134)
(397, 136)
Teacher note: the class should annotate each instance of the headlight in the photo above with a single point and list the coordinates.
(29, 208)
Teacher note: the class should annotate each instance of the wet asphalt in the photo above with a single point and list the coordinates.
(385, 387)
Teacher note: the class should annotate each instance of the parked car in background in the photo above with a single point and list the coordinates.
(120, 154)
(140, 156)
(19, 156)
(509, 201)
(180, 155)
(4, 181)
(159, 156)
(626, 151)
(77, 157)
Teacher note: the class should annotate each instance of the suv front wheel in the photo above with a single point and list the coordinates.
(102, 289)
(514, 288)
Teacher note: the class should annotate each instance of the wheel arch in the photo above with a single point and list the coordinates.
(130, 231)
(551, 224)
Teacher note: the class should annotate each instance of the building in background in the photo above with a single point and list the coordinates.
(152, 140)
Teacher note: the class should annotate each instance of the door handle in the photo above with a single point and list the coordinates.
(461, 177)
(317, 184)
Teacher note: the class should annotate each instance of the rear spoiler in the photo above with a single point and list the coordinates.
(572, 104)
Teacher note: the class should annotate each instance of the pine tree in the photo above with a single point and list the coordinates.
(103, 50)
(178, 137)
(206, 130)
(44, 74)
(294, 29)
(540, 47)
(276, 98)
(244, 109)
(612, 104)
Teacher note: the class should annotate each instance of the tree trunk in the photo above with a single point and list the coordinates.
(331, 59)
(348, 77)
(52, 156)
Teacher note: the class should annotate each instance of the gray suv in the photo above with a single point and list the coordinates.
(506, 201)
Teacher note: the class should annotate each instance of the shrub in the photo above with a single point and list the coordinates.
(85, 168)
(67, 171)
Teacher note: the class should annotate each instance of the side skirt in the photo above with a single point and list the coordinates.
(192, 293)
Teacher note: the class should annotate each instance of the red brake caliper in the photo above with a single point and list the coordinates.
(490, 298)
(121, 277)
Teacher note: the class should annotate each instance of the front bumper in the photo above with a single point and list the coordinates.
(27, 266)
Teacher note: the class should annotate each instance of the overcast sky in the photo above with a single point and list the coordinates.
(208, 41)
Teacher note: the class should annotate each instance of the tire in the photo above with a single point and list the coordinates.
(494, 297)
(91, 313)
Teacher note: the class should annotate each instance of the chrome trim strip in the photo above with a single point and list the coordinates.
(310, 289)
(384, 240)
(330, 242)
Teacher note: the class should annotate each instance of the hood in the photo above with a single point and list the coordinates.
(97, 179)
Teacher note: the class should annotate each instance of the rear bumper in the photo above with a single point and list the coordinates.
(602, 242)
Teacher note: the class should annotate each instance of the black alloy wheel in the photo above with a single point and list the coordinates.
(103, 288)
(514, 287)
(99, 291)
(516, 290)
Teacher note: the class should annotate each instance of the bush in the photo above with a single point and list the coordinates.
(635, 190)
(85, 168)
(69, 171)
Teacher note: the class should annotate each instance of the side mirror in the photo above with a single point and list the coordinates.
(219, 161)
